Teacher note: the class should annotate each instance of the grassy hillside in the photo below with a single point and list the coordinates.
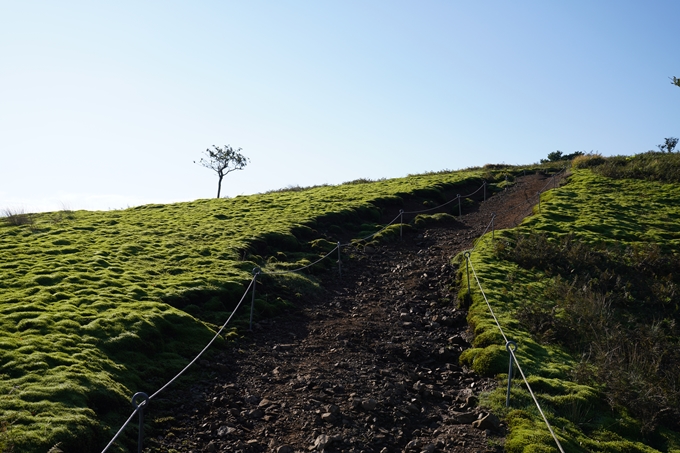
(96, 306)
(588, 288)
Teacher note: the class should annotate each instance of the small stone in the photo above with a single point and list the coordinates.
(471, 401)
(406, 317)
(413, 408)
(322, 442)
(327, 417)
(211, 447)
(256, 413)
(369, 404)
(264, 403)
(225, 431)
(414, 445)
(284, 449)
(355, 402)
(252, 399)
(333, 409)
(284, 347)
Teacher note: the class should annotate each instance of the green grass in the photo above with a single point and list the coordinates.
(601, 256)
(95, 306)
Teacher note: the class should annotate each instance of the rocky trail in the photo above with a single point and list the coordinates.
(371, 366)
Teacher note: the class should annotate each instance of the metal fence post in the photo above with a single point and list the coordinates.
(141, 406)
(401, 224)
(460, 208)
(467, 269)
(539, 201)
(339, 261)
(256, 272)
(484, 190)
(493, 228)
(511, 351)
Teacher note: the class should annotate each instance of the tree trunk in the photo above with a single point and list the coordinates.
(219, 186)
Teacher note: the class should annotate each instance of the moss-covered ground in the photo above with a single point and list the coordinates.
(95, 306)
(587, 287)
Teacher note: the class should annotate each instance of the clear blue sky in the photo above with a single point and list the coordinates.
(105, 105)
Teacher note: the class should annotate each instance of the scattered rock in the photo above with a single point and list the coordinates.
(322, 442)
(327, 417)
(264, 403)
(225, 431)
(396, 337)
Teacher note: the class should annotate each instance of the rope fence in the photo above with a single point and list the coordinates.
(513, 357)
(141, 401)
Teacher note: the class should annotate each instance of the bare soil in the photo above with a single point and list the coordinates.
(371, 366)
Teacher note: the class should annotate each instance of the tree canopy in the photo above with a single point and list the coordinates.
(223, 161)
(668, 145)
(558, 155)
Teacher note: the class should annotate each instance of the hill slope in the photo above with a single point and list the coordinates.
(98, 305)
(371, 364)
(588, 290)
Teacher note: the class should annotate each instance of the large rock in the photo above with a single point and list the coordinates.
(489, 421)
(462, 418)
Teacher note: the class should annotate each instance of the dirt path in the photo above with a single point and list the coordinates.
(370, 367)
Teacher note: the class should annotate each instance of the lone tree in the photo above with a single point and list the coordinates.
(669, 144)
(223, 161)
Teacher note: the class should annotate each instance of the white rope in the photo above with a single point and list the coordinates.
(377, 232)
(219, 332)
(545, 419)
(531, 392)
(444, 204)
(479, 239)
(531, 198)
(300, 268)
(487, 301)
(122, 428)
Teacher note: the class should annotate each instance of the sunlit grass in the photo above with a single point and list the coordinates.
(595, 211)
(95, 306)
